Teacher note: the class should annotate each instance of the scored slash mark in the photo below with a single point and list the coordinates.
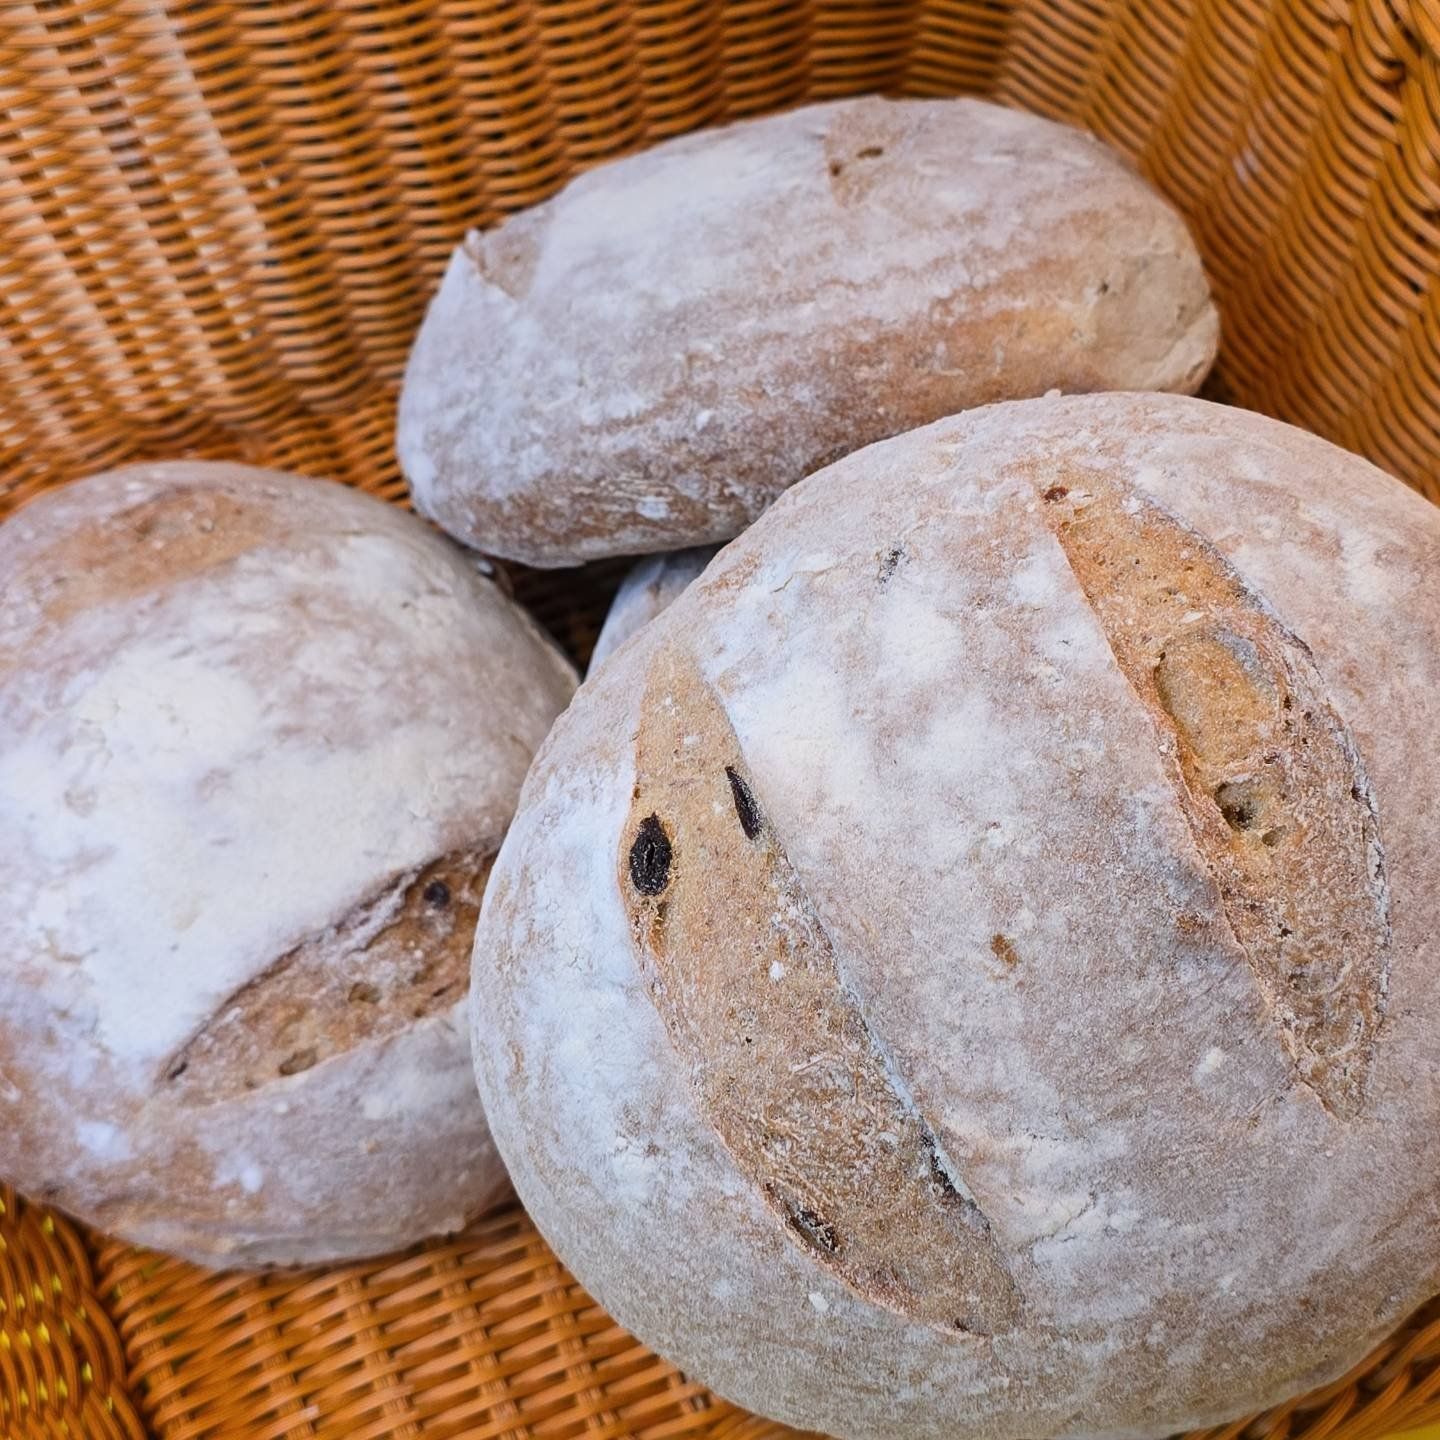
(1265, 770)
(783, 1065)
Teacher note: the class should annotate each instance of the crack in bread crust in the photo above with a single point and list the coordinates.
(1267, 775)
(401, 954)
(783, 1063)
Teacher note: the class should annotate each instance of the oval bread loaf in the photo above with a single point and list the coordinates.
(646, 361)
(996, 912)
(259, 740)
(650, 587)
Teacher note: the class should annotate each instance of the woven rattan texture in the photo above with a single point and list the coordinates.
(220, 226)
(62, 1371)
(222, 221)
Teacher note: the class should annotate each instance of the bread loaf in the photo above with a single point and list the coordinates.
(995, 909)
(647, 360)
(649, 588)
(259, 740)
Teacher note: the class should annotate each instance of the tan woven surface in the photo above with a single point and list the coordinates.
(220, 224)
(489, 1337)
(62, 1371)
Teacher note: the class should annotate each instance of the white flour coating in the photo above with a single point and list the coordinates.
(198, 773)
(952, 759)
(648, 588)
(179, 708)
(648, 359)
(598, 1055)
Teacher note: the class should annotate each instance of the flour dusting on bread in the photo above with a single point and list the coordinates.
(912, 775)
(647, 360)
(248, 722)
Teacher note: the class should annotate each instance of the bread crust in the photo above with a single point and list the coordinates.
(259, 741)
(649, 587)
(647, 360)
(994, 740)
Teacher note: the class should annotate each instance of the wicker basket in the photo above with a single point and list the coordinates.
(221, 223)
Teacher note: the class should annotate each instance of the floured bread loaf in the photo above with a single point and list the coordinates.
(648, 589)
(259, 740)
(646, 361)
(996, 913)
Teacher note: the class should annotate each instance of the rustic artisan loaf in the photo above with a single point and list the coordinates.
(259, 740)
(649, 359)
(650, 587)
(968, 968)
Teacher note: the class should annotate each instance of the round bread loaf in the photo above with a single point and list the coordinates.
(649, 588)
(647, 360)
(969, 967)
(259, 740)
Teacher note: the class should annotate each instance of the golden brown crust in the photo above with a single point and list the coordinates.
(783, 1063)
(650, 358)
(403, 954)
(1265, 771)
(173, 535)
(176, 532)
(259, 739)
(994, 801)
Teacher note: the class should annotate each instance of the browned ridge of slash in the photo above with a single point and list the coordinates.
(783, 1064)
(399, 956)
(1266, 773)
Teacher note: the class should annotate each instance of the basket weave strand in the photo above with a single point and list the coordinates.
(61, 1362)
(489, 1338)
(224, 220)
(221, 225)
